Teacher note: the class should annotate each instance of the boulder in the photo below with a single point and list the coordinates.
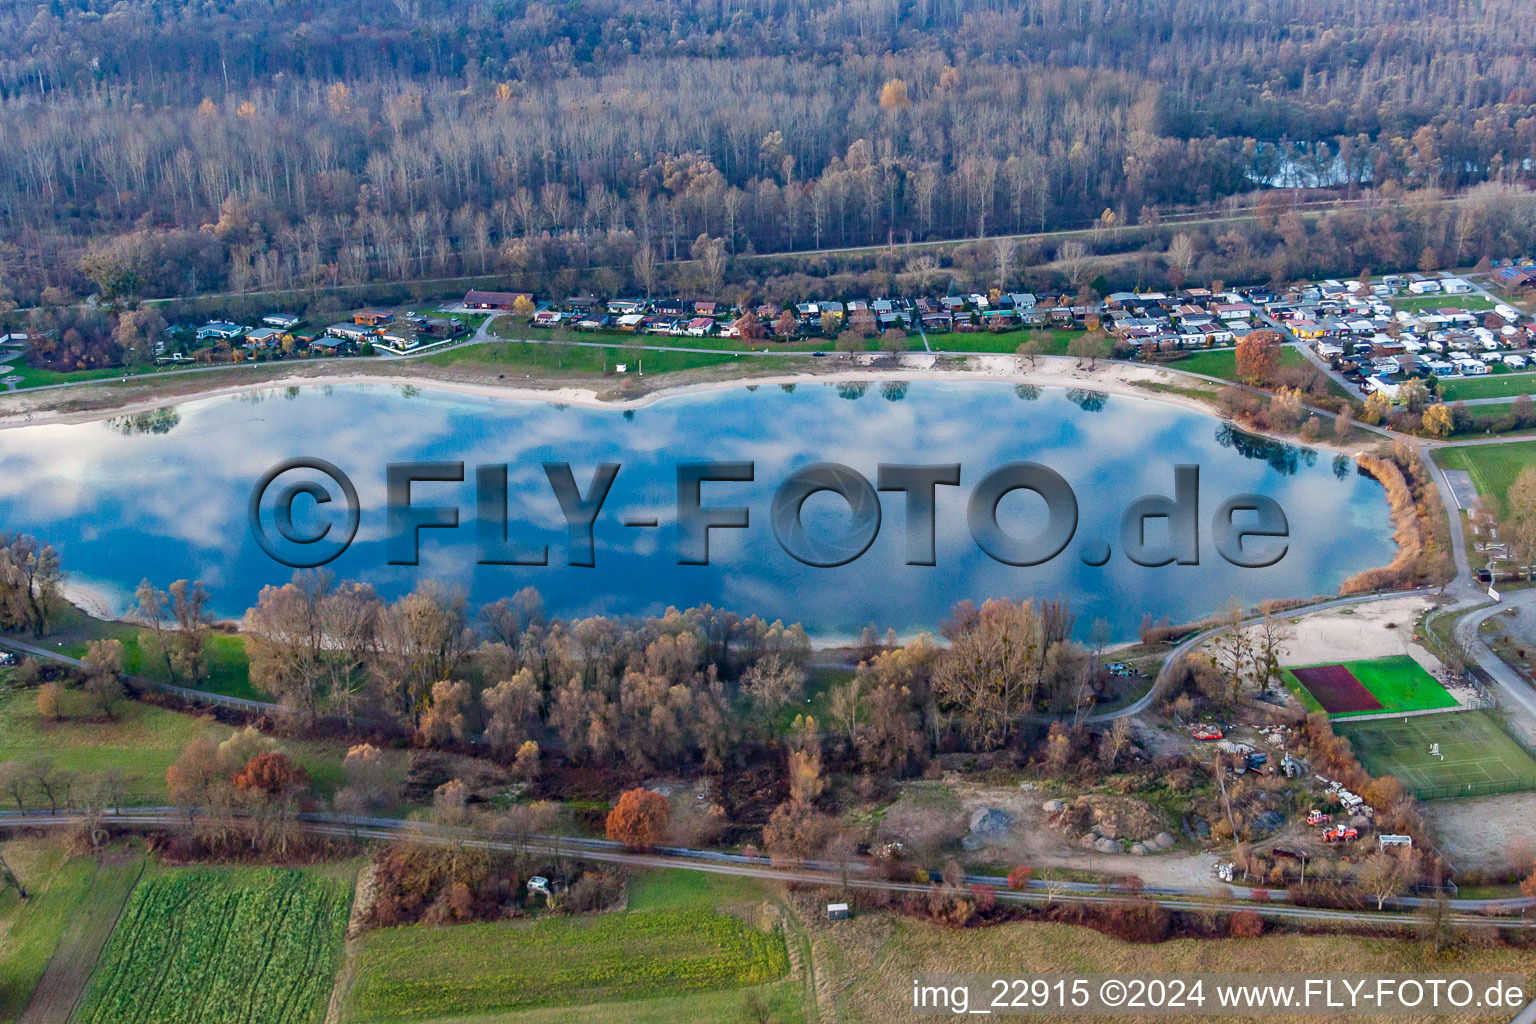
(1088, 840)
(1052, 806)
(987, 824)
(1163, 841)
(1139, 849)
(1107, 846)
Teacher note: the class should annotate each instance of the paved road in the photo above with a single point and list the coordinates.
(854, 874)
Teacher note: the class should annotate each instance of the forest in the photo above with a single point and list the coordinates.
(176, 148)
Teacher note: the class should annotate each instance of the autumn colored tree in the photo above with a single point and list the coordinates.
(194, 778)
(1019, 876)
(786, 326)
(639, 819)
(272, 773)
(1528, 887)
(750, 328)
(523, 306)
(1258, 356)
(893, 95)
(50, 702)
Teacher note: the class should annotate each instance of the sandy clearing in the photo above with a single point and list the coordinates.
(1378, 629)
(1031, 840)
(1475, 832)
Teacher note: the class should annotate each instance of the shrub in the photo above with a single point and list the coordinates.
(1246, 925)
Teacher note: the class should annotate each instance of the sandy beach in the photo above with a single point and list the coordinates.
(1130, 380)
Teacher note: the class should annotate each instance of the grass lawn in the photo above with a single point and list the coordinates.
(1479, 756)
(684, 890)
(817, 701)
(1494, 385)
(1222, 362)
(215, 945)
(513, 357)
(140, 744)
(1418, 303)
(228, 667)
(1398, 682)
(1493, 466)
(668, 945)
(1053, 340)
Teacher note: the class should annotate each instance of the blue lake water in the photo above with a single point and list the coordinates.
(166, 497)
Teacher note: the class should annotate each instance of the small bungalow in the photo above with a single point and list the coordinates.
(547, 318)
(700, 327)
(346, 332)
(219, 330)
(373, 317)
(263, 338)
(282, 321)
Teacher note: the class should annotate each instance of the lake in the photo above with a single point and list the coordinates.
(165, 496)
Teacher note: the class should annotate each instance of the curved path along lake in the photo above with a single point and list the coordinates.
(165, 496)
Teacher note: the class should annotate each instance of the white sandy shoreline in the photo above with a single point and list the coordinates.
(1121, 379)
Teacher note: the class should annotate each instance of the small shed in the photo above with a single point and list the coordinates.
(837, 911)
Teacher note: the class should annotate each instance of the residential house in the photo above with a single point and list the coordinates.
(219, 330)
(373, 317)
(475, 299)
(282, 321)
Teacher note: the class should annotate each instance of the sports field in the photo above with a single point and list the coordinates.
(1478, 756)
(1493, 466)
(1390, 684)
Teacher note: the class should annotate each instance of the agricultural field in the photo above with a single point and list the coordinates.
(868, 962)
(116, 871)
(668, 945)
(1479, 757)
(1493, 466)
(208, 946)
(1494, 385)
(1397, 683)
(58, 887)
